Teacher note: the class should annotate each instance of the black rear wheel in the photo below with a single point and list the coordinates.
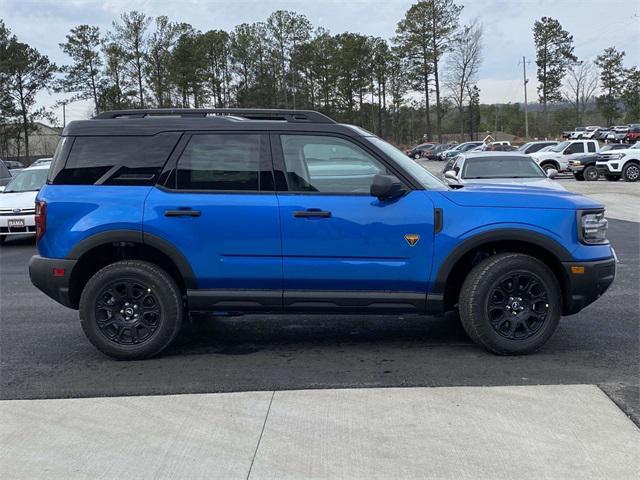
(510, 303)
(131, 310)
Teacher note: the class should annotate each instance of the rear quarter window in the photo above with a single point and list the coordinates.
(116, 160)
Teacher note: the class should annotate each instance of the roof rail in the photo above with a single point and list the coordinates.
(294, 116)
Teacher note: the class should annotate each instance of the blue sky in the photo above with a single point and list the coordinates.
(595, 25)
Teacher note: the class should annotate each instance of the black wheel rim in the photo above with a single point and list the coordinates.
(128, 312)
(518, 306)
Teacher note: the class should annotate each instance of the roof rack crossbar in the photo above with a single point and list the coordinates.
(295, 116)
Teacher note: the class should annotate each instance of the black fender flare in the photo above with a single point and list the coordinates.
(137, 236)
(498, 235)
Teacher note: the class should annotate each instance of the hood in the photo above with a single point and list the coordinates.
(20, 200)
(546, 154)
(518, 196)
(523, 182)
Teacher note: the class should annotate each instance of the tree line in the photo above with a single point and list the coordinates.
(421, 82)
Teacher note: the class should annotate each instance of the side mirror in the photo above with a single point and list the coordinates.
(451, 175)
(552, 173)
(387, 187)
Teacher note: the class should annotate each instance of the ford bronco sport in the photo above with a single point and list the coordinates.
(149, 216)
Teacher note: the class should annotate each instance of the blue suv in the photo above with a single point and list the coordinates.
(149, 216)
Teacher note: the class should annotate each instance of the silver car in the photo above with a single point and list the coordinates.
(504, 168)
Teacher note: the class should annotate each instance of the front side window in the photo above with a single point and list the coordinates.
(575, 148)
(327, 164)
(224, 162)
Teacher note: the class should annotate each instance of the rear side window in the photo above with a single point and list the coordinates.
(223, 162)
(591, 147)
(116, 160)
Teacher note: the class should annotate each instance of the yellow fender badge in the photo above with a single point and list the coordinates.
(412, 239)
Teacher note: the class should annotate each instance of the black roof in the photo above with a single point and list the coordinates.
(153, 121)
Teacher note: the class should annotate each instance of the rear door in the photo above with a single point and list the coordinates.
(218, 208)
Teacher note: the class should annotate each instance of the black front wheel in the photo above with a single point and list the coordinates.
(579, 177)
(131, 310)
(591, 173)
(510, 304)
(611, 178)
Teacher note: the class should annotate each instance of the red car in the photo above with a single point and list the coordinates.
(634, 134)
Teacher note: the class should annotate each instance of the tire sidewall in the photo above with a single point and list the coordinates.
(166, 295)
(491, 273)
(587, 171)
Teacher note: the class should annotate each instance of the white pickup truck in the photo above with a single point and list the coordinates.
(616, 164)
(558, 157)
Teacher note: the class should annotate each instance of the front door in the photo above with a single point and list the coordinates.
(341, 246)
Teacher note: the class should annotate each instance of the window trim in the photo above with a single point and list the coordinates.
(168, 178)
(280, 168)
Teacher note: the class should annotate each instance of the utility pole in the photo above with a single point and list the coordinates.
(64, 114)
(525, 80)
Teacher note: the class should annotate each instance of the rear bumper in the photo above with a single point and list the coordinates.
(54, 284)
(585, 288)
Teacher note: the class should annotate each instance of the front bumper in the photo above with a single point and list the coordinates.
(575, 168)
(28, 221)
(586, 282)
(52, 276)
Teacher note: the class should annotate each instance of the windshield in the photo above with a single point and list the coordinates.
(501, 167)
(427, 180)
(4, 171)
(560, 147)
(27, 181)
(522, 148)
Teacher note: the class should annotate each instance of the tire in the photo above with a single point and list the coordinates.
(129, 283)
(549, 166)
(631, 172)
(579, 177)
(481, 287)
(591, 174)
(2, 239)
(611, 178)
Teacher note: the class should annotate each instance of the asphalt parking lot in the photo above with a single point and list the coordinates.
(43, 353)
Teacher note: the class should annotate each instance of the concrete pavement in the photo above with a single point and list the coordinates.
(445, 433)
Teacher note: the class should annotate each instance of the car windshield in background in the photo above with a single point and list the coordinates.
(427, 180)
(558, 148)
(4, 171)
(27, 181)
(501, 167)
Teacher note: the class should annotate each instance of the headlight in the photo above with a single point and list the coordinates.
(575, 162)
(615, 156)
(592, 227)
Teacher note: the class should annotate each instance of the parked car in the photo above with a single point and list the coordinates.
(583, 167)
(434, 153)
(504, 168)
(618, 164)
(602, 134)
(577, 132)
(5, 175)
(13, 164)
(558, 157)
(462, 147)
(589, 133)
(618, 134)
(17, 202)
(419, 150)
(145, 220)
(633, 135)
(532, 147)
(42, 161)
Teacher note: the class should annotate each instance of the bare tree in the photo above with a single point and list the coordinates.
(463, 62)
(581, 84)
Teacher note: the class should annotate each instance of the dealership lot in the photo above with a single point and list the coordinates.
(300, 378)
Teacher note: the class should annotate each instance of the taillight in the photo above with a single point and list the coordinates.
(41, 219)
